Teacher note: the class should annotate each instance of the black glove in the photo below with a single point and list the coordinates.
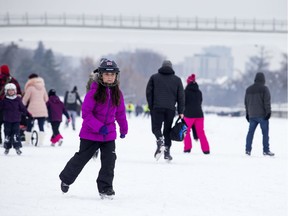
(247, 117)
(267, 117)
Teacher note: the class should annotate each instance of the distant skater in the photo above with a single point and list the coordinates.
(193, 116)
(55, 111)
(12, 108)
(258, 111)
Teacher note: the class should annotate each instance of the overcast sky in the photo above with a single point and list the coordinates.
(261, 9)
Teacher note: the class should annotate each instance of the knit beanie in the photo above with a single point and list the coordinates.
(167, 63)
(5, 70)
(191, 78)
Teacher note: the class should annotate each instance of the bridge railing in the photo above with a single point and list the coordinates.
(144, 22)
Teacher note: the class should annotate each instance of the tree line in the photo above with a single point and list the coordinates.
(63, 72)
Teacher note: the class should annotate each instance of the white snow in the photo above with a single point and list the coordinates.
(224, 183)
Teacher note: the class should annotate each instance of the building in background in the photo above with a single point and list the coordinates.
(215, 62)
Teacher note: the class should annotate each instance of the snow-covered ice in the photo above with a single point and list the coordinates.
(224, 183)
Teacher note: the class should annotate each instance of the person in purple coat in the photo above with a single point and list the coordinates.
(12, 108)
(103, 105)
(55, 110)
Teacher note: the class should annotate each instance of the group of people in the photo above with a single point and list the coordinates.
(164, 91)
(104, 105)
(25, 108)
(165, 94)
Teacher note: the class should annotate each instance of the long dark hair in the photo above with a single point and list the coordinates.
(101, 96)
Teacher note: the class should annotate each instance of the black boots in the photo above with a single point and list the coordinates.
(268, 153)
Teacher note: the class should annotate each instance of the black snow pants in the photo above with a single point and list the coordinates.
(87, 149)
(12, 135)
(158, 117)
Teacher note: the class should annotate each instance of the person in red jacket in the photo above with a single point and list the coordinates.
(6, 78)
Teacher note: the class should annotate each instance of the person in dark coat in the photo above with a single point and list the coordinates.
(55, 110)
(193, 115)
(164, 89)
(71, 100)
(6, 78)
(12, 108)
(258, 111)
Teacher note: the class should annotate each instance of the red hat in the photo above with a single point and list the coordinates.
(191, 78)
(5, 70)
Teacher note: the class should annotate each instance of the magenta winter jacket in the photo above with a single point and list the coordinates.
(95, 115)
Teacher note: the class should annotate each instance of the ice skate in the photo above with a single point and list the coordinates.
(160, 148)
(109, 194)
(18, 151)
(64, 187)
(167, 155)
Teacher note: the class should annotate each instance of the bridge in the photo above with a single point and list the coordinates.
(145, 23)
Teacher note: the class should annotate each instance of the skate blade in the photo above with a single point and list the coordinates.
(106, 197)
(168, 160)
(158, 155)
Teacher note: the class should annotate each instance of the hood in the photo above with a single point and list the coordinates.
(192, 86)
(74, 89)
(260, 78)
(36, 82)
(166, 70)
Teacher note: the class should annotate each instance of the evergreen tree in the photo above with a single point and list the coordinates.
(9, 55)
(39, 53)
(50, 73)
(257, 63)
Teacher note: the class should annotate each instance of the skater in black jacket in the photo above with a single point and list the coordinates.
(164, 90)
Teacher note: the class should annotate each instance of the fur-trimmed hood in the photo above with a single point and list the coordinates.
(37, 82)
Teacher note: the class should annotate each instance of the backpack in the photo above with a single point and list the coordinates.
(71, 98)
(178, 131)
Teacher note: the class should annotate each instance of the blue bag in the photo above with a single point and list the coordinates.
(178, 131)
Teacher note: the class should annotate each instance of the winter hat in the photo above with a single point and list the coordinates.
(52, 92)
(5, 70)
(33, 75)
(167, 63)
(74, 89)
(191, 78)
